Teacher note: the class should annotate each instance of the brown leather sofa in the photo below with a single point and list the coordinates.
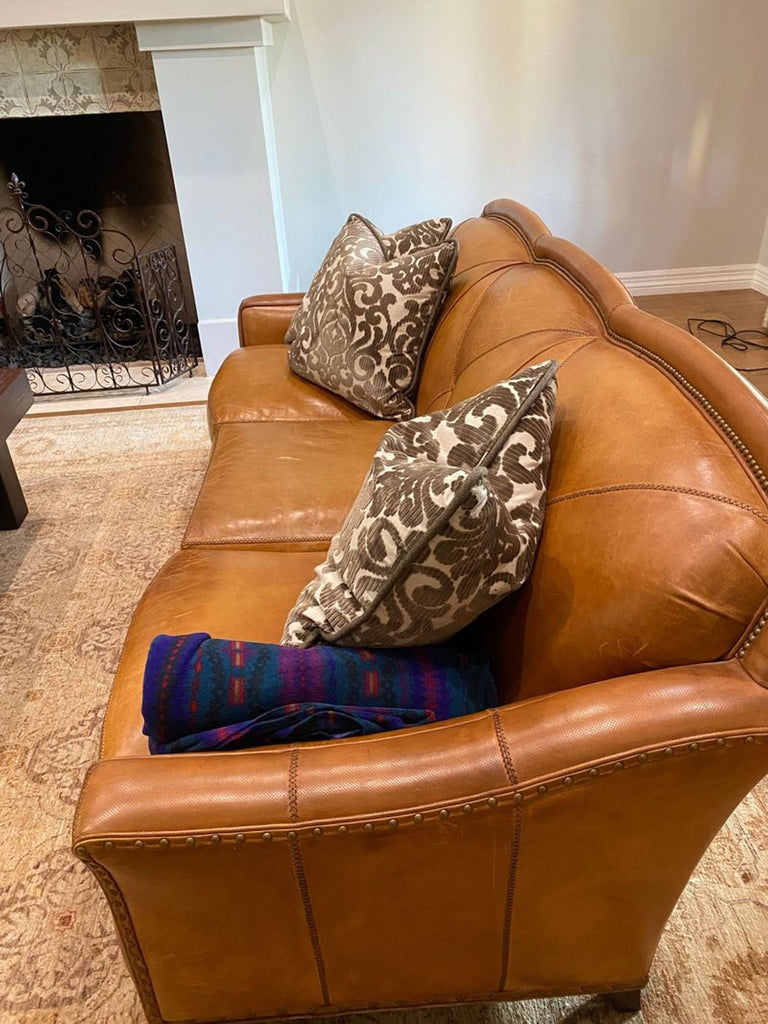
(532, 850)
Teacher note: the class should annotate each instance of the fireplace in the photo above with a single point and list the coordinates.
(203, 64)
(94, 279)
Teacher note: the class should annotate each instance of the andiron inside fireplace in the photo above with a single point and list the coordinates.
(81, 310)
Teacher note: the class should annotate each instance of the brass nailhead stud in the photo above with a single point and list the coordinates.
(643, 758)
(492, 801)
(444, 814)
(291, 836)
(239, 838)
(749, 739)
(109, 845)
(467, 808)
(542, 788)
(393, 823)
(418, 818)
(668, 751)
(593, 772)
(317, 831)
(190, 840)
(165, 843)
(693, 746)
(81, 851)
(215, 839)
(368, 826)
(267, 837)
(139, 843)
(720, 742)
(619, 765)
(343, 829)
(568, 780)
(518, 798)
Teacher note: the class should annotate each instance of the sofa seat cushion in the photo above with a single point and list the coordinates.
(282, 485)
(243, 595)
(255, 384)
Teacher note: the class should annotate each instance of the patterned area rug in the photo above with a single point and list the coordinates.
(109, 495)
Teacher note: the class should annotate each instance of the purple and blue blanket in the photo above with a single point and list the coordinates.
(205, 694)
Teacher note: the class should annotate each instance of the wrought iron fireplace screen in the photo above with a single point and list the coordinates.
(82, 310)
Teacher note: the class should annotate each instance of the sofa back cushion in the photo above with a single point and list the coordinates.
(655, 546)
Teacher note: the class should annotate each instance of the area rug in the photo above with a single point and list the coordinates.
(109, 496)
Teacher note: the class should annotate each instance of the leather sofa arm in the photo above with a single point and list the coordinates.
(264, 319)
(550, 838)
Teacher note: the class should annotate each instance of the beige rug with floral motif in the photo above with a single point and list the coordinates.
(109, 496)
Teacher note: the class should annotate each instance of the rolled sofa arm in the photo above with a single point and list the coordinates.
(264, 319)
(534, 850)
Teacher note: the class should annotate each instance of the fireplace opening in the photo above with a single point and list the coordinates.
(95, 284)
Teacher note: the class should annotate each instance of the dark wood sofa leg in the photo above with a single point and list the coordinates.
(625, 1002)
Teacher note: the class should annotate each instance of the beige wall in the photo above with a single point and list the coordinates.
(637, 128)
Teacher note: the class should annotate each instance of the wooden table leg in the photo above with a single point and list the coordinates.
(13, 508)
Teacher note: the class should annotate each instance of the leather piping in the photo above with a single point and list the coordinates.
(725, 428)
(514, 850)
(133, 955)
(301, 878)
(670, 488)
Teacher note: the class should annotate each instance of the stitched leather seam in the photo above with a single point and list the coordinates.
(227, 541)
(293, 785)
(670, 488)
(506, 756)
(309, 916)
(501, 266)
(128, 938)
(514, 850)
(471, 319)
(301, 878)
(526, 334)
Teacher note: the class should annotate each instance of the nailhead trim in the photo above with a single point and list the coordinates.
(757, 629)
(517, 796)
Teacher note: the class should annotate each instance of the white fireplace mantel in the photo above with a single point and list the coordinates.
(38, 13)
(211, 70)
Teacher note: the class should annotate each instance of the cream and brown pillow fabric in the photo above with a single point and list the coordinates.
(363, 326)
(445, 524)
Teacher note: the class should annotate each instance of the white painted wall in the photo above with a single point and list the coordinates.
(636, 128)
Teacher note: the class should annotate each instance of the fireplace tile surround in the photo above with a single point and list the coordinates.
(80, 69)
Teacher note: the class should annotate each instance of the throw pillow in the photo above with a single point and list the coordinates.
(364, 323)
(446, 522)
(204, 694)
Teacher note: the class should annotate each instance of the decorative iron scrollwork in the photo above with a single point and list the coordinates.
(81, 310)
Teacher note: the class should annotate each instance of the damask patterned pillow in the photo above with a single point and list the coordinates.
(445, 524)
(363, 326)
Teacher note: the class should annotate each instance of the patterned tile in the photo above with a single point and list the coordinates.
(55, 49)
(79, 70)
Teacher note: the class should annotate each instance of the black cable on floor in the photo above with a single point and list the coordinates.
(729, 337)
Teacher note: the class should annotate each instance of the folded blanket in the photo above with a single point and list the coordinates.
(206, 694)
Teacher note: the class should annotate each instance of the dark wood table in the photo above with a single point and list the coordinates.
(15, 399)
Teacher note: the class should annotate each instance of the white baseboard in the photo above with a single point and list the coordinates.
(760, 280)
(696, 279)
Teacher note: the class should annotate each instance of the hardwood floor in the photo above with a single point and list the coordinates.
(743, 308)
